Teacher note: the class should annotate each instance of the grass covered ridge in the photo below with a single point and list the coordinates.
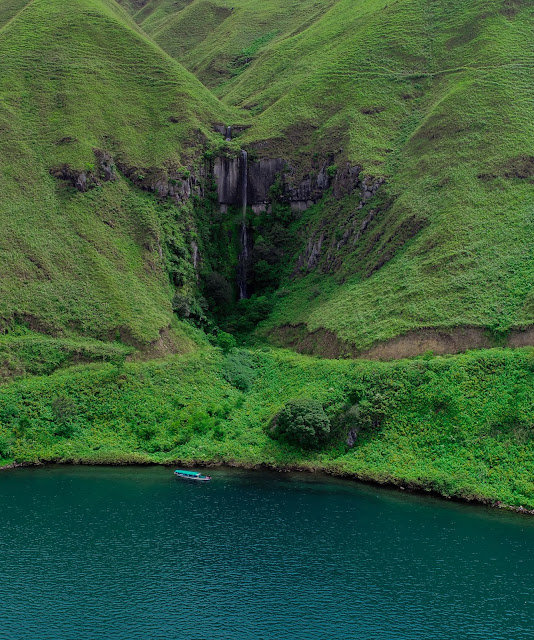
(434, 99)
(75, 77)
(437, 99)
(460, 425)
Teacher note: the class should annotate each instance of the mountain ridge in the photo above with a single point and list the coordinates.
(349, 178)
(419, 114)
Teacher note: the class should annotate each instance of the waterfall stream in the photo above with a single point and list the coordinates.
(242, 271)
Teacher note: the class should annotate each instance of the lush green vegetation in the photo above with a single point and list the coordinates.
(75, 77)
(436, 99)
(302, 422)
(25, 352)
(460, 425)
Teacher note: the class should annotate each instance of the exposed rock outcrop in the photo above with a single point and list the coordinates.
(352, 436)
(228, 174)
(275, 177)
(103, 170)
(310, 257)
(327, 246)
(267, 178)
(177, 183)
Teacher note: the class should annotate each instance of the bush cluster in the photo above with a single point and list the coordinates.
(223, 340)
(302, 422)
(238, 369)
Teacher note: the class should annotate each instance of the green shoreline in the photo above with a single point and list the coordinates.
(392, 483)
(458, 426)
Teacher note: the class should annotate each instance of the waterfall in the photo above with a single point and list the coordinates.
(228, 135)
(242, 271)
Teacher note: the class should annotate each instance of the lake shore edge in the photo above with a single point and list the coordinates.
(389, 483)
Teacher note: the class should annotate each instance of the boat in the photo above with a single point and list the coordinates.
(191, 475)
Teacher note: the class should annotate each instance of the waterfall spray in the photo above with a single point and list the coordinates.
(243, 256)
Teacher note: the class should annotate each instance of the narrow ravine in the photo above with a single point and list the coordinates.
(242, 271)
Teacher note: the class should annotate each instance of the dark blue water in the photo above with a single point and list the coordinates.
(90, 553)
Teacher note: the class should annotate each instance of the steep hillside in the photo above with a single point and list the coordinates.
(83, 92)
(420, 116)
(432, 103)
(444, 118)
(219, 39)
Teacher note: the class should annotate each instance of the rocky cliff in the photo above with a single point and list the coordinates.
(270, 178)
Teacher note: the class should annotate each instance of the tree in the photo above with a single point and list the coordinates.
(225, 341)
(302, 422)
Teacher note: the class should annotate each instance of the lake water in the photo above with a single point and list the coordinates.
(133, 553)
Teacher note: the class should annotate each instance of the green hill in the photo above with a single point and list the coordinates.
(75, 78)
(390, 149)
(437, 101)
(218, 40)
(434, 101)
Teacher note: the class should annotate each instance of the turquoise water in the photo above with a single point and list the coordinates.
(90, 553)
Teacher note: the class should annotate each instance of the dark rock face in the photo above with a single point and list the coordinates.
(85, 179)
(166, 183)
(299, 192)
(327, 246)
(309, 259)
(352, 436)
(346, 180)
(106, 165)
(228, 174)
(304, 193)
(262, 176)
(177, 183)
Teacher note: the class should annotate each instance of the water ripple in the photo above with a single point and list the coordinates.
(93, 553)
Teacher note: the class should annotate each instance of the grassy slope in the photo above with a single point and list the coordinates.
(216, 39)
(451, 86)
(453, 81)
(88, 261)
(82, 263)
(460, 425)
(472, 263)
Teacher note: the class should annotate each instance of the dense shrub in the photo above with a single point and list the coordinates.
(224, 341)
(181, 305)
(303, 422)
(376, 398)
(251, 311)
(64, 412)
(238, 369)
(5, 446)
